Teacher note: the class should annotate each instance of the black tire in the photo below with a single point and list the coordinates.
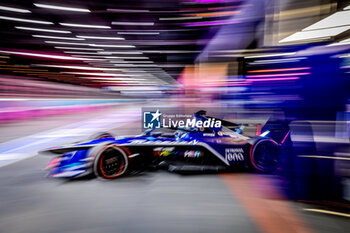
(265, 155)
(110, 162)
(101, 135)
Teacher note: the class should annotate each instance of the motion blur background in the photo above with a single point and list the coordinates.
(69, 69)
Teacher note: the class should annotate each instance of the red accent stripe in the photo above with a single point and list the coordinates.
(285, 137)
(258, 130)
(125, 150)
(279, 70)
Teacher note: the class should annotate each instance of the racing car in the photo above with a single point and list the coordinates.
(177, 149)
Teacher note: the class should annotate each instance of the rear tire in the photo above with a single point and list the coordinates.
(110, 162)
(265, 155)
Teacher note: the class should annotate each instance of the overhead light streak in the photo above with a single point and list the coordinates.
(277, 75)
(43, 30)
(119, 52)
(73, 48)
(134, 23)
(99, 74)
(163, 42)
(37, 72)
(103, 63)
(140, 71)
(180, 18)
(217, 14)
(63, 8)
(138, 33)
(25, 20)
(135, 65)
(173, 11)
(144, 71)
(112, 46)
(113, 78)
(66, 43)
(57, 37)
(132, 62)
(78, 52)
(6, 8)
(101, 38)
(159, 30)
(243, 50)
(128, 10)
(226, 55)
(113, 57)
(78, 67)
(149, 65)
(285, 60)
(212, 23)
(132, 82)
(16, 66)
(42, 55)
(273, 79)
(85, 25)
(23, 69)
(271, 55)
(171, 51)
(89, 56)
(204, 2)
(279, 70)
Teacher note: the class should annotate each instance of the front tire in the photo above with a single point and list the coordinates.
(110, 162)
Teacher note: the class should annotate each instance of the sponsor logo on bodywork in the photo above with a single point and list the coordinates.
(163, 151)
(170, 151)
(208, 135)
(193, 154)
(234, 154)
(157, 142)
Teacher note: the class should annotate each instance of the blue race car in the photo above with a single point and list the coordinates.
(182, 150)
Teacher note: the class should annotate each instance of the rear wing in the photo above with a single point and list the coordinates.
(261, 125)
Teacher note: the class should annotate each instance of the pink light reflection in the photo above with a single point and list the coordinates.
(276, 75)
(272, 79)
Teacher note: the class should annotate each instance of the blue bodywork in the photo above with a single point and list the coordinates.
(224, 147)
(78, 161)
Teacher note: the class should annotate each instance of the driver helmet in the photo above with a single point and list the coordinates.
(180, 133)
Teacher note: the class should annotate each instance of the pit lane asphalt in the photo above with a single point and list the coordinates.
(149, 202)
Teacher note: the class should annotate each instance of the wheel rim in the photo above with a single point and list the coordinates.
(266, 155)
(112, 163)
